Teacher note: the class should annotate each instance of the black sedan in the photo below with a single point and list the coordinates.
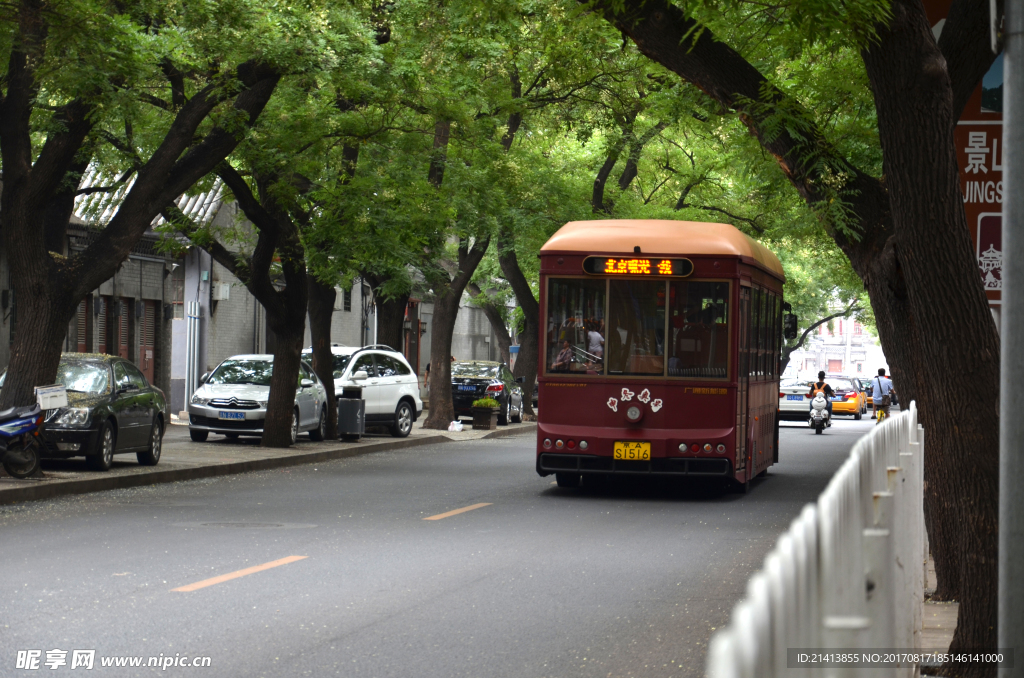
(477, 379)
(112, 409)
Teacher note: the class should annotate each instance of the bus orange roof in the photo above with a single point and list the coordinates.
(661, 237)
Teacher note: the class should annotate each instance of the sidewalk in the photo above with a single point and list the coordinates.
(182, 459)
(938, 620)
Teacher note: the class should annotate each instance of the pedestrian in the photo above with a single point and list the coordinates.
(881, 393)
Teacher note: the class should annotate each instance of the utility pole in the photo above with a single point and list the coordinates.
(1011, 399)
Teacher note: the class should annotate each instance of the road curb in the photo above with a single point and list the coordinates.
(60, 488)
(507, 432)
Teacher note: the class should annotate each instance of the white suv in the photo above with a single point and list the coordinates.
(390, 387)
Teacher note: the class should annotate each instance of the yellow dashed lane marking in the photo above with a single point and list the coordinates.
(456, 512)
(240, 573)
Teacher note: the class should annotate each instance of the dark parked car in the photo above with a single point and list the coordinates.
(477, 379)
(112, 409)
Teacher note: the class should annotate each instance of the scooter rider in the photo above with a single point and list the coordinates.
(821, 387)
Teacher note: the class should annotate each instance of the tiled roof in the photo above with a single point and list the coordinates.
(100, 207)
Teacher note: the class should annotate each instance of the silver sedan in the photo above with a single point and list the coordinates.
(233, 400)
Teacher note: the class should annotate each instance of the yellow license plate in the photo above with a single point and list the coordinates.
(632, 451)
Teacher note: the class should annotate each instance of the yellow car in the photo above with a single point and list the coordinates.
(849, 396)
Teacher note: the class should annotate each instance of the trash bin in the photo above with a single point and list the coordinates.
(351, 413)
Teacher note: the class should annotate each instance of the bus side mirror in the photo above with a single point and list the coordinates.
(789, 326)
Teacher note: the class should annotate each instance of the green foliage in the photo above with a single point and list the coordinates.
(486, 402)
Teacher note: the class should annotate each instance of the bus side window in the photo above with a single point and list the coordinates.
(744, 367)
(755, 335)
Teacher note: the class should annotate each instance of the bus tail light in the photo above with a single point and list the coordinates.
(547, 443)
(682, 447)
(707, 447)
(721, 448)
(559, 444)
(695, 447)
(583, 445)
(495, 388)
(571, 444)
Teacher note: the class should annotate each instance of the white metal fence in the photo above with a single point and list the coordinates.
(849, 572)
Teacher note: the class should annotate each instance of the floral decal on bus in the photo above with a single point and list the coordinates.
(613, 404)
(644, 397)
(656, 405)
(626, 395)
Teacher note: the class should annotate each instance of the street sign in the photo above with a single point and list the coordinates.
(979, 150)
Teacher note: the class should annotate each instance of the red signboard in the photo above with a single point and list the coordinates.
(979, 150)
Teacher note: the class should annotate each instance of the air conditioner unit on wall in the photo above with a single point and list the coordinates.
(221, 291)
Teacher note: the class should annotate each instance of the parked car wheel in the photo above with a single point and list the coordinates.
(503, 416)
(320, 432)
(517, 418)
(198, 436)
(104, 457)
(151, 457)
(403, 420)
(295, 426)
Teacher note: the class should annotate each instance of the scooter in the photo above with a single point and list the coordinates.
(19, 440)
(819, 419)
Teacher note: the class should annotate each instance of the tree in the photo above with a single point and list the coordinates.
(78, 90)
(906, 236)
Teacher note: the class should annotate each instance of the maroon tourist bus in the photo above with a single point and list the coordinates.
(659, 351)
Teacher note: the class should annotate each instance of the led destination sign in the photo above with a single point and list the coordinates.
(642, 266)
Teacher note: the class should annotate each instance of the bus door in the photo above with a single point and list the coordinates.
(743, 381)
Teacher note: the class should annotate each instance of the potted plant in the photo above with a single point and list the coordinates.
(485, 414)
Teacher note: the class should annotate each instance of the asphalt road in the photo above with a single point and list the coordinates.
(629, 580)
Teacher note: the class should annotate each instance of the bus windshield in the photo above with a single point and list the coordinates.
(625, 327)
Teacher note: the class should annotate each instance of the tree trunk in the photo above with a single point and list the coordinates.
(321, 313)
(944, 303)
(529, 354)
(44, 311)
(493, 314)
(283, 382)
(442, 409)
(446, 310)
(597, 202)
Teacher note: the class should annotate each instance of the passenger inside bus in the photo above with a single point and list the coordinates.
(700, 330)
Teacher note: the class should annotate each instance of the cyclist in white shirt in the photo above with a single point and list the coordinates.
(881, 386)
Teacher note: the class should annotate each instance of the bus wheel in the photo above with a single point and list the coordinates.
(567, 479)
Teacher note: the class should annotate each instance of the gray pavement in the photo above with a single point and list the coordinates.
(629, 580)
(182, 459)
